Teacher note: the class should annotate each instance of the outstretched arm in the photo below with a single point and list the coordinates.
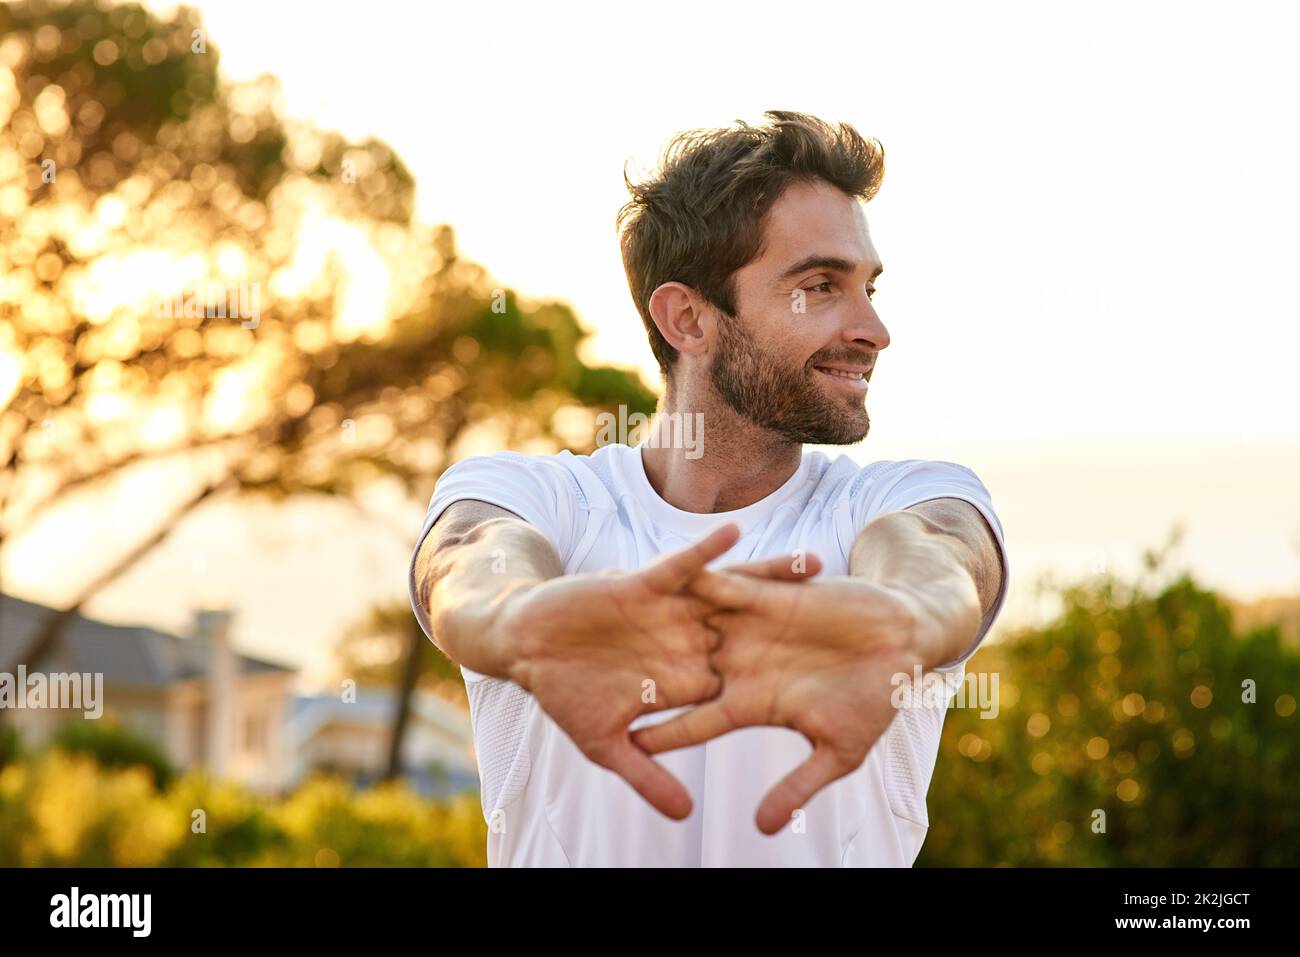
(595, 650)
(942, 559)
(474, 559)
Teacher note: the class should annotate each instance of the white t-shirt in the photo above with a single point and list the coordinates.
(546, 804)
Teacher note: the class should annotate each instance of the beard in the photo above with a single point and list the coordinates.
(787, 401)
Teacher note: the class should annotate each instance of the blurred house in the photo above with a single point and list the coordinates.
(196, 698)
(202, 703)
(351, 738)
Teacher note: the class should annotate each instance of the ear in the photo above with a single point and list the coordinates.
(682, 319)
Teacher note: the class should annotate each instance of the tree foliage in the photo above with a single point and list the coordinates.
(135, 182)
(130, 172)
(1134, 702)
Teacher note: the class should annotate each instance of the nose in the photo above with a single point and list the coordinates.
(865, 328)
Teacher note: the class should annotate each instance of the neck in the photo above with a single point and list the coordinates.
(726, 462)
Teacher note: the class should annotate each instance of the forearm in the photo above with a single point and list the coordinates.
(468, 572)
(929, 570)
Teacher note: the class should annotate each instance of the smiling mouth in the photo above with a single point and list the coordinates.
(854, 379)
(861, 376)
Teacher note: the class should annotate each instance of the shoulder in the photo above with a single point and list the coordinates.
(887, 480)
(550, 491)
(576, 482)
(844, 479)
(861, 492)
(552, 470)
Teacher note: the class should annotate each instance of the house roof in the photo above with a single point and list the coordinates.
(126, 655)
(376, 707)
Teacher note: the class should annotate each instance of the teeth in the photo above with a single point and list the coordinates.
(842, 375)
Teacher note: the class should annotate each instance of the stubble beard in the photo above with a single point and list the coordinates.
(787, 401)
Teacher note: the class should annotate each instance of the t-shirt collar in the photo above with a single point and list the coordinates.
(664, 515)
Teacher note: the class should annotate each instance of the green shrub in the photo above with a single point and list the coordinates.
(225, 825)
(113, 747)
(11, 744)
(61, 809)
(66, 810)
(383, 826)
(1131, 704)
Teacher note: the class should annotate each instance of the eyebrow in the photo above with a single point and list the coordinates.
(833, 263)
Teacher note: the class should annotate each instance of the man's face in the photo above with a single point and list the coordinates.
(797, 357)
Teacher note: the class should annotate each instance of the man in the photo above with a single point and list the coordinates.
(684, 659)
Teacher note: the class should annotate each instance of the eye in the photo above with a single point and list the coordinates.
(818, 287)
(871, 292)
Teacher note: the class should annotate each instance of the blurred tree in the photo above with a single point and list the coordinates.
(371, 651)
(1135, 702)
(142, 198)
(388, 648)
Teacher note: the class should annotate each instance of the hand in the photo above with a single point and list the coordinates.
(816, 656)
(598, 650)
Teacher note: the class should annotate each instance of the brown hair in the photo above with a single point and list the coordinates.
(700, 218)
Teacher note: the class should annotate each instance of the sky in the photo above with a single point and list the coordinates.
(1087, 220)
(1088, 226)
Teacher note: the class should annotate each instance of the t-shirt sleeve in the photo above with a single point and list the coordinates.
(894, 486)
(537, 488)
